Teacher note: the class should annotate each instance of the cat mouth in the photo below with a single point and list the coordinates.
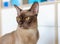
(23, 27)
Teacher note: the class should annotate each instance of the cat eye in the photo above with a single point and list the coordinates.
(19, 19)
(27, 18)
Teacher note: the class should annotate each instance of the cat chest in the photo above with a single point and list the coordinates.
(27, 37)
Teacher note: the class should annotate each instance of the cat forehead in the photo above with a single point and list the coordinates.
(27, 13)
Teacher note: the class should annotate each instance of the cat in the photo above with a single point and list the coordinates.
(27, 31)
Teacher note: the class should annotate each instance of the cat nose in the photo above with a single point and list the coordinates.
(20, 22)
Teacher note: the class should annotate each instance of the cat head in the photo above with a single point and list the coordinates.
(27, 18)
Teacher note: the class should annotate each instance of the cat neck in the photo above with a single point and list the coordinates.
(23, 33)
(32, 28)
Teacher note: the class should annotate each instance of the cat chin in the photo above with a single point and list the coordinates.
(23, 27)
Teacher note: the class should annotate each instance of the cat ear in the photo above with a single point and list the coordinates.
(18, 9)
(35, 8)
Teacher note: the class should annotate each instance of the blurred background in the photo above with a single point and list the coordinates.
(7, 3)
(46, 19)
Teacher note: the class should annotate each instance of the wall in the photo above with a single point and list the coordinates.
(8, 20)
(59, 23)
(0, 17)
(45, 23)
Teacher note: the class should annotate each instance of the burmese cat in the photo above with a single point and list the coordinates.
(26, 32)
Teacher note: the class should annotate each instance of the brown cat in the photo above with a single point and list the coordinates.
(27, 31)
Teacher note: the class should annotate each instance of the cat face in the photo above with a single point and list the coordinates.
(27, 18)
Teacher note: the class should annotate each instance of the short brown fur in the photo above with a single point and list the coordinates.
(26, 32)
